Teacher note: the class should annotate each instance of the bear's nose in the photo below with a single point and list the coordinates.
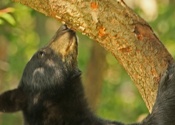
(63, 27)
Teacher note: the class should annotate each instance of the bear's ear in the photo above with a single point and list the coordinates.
(12, 100)
(65, 43)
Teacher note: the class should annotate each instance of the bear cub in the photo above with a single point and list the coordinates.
(50, 91)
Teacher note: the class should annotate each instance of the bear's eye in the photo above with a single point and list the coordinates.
(41, 54)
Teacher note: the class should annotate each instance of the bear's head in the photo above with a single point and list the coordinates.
(54, 64)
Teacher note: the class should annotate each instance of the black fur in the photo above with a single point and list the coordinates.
(51, 93)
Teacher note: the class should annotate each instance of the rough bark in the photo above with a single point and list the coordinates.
(120, 31)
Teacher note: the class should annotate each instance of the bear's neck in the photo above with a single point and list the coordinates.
(73, 105)
(73, 100)
(67, 101)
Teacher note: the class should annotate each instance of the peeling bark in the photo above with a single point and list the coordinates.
(120, 31)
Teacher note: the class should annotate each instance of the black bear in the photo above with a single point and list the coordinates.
(50, 91)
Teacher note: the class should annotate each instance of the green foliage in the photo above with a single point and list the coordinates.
(5, 16)
(164, 26)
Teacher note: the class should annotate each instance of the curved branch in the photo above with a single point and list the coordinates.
(120, 31)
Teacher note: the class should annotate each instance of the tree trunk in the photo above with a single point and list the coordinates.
(95, 75)
(3, 64)
(120, 31)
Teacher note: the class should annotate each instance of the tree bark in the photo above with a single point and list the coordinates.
(120, 31)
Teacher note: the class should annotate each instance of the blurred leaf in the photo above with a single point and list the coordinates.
(1, 21)
(9, 18)
(7, 10)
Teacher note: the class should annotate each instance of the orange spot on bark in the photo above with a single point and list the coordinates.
(125, 49)
(101, 31)
(154, 72)
(94, 5)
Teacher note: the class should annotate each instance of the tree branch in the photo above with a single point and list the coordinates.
(120, 31)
